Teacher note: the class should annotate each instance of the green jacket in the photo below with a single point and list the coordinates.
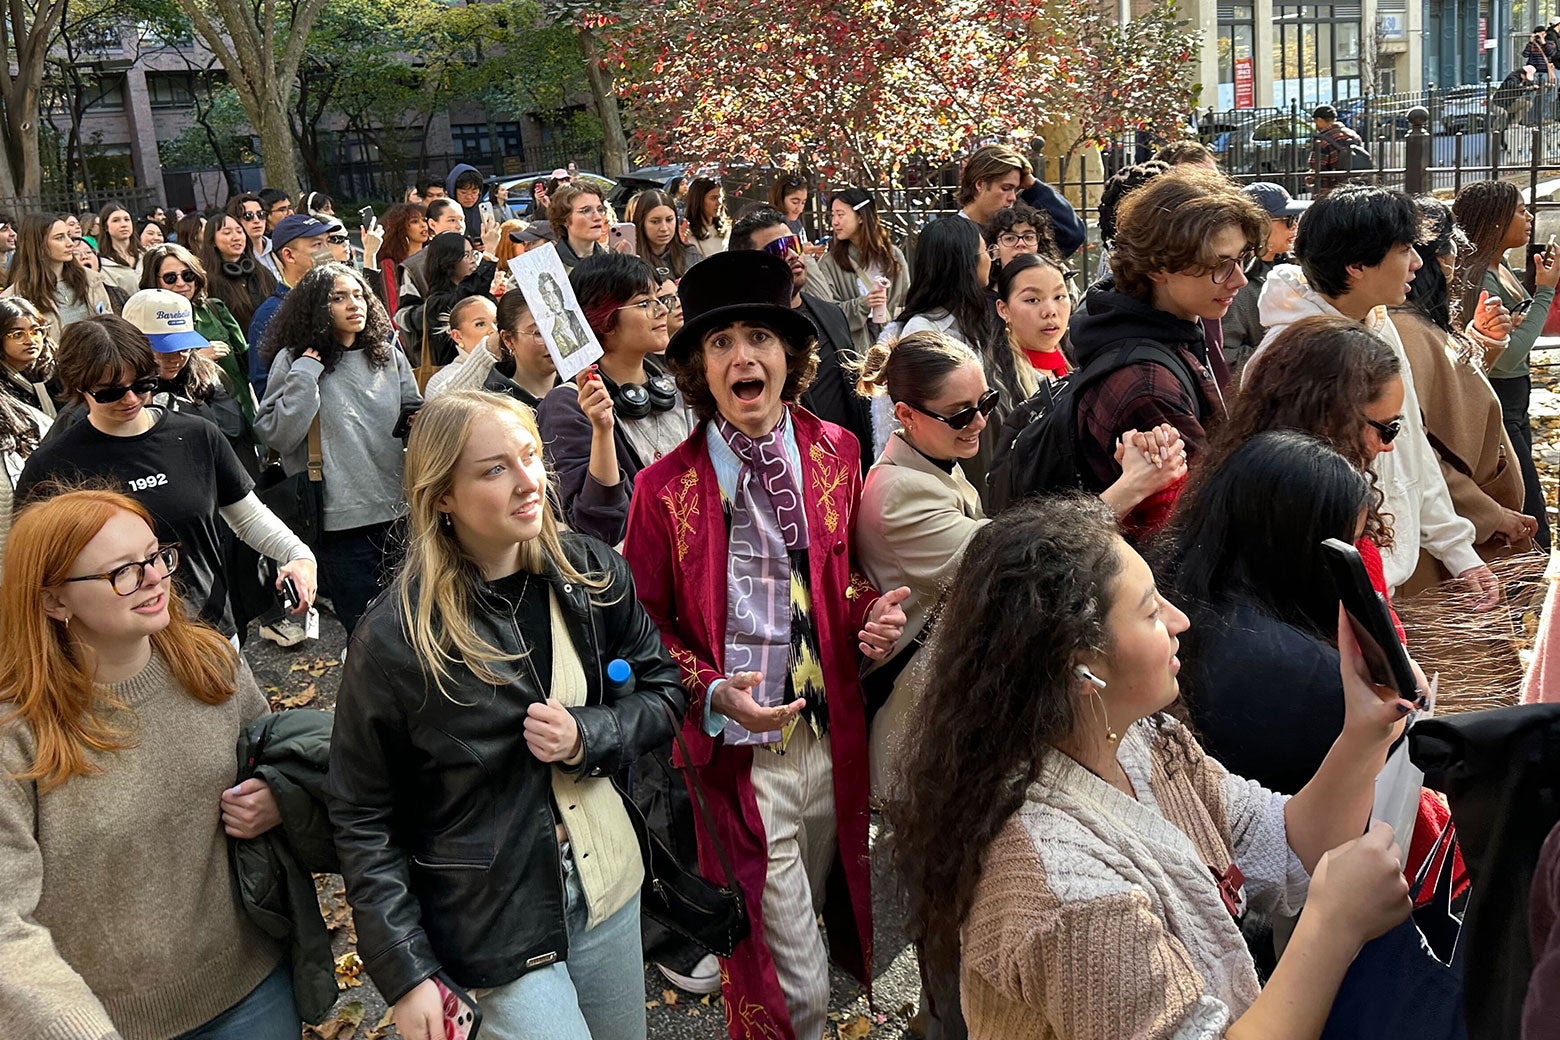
(1513, 361)
(214, 321)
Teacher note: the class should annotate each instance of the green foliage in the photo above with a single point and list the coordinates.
(224, 120)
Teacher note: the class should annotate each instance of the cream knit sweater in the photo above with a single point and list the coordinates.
(118, 915)
(1097, 916)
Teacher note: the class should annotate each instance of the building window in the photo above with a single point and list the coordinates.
(170, 89)
(110, 96)
(474, 144)
(1237, 34)
(1316, 53)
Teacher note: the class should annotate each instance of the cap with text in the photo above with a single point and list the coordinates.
(166, 319)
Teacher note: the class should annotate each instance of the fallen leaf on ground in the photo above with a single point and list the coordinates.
(382, 1029)
(342, 1026)
(295, 700)
(669, 997)
(855, 1028)
(349, 970)
(651, 1005)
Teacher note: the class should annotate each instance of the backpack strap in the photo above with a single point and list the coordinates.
(1134, 352)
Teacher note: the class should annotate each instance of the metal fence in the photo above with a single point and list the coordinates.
(384, 180)
(138, 201)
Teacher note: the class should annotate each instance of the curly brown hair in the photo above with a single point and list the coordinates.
(1048, 565)
(1166, 225)
(801, 365)
(1316, 377)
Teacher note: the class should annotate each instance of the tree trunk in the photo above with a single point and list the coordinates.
(604, 94)
(276, 144)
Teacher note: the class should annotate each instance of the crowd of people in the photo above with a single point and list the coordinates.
(929, 532)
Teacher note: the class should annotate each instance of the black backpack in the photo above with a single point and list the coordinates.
(1353, 156)
(1037, 448)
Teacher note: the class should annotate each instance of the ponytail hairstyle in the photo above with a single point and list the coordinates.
(912, 370)
(46, 677)
(872, 239)
(439, 584)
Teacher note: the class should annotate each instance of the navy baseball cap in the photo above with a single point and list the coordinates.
(297, 225)
(1271, 197)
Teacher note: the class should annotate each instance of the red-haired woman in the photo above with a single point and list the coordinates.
(122, 715)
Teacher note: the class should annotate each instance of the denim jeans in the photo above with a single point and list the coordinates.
(266, 1014)
(598, 994)
(354, 565)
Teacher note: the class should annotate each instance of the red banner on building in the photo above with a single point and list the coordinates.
(1245, 84)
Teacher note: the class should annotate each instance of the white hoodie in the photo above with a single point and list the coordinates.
(1409, 475)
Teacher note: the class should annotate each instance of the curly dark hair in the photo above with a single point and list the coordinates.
(1121, 184)
(303, 321)
(1317, 377)
(801, 365)
(1047, 565)
(1022, 213)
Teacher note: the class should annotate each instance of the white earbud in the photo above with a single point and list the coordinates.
(1082, 672)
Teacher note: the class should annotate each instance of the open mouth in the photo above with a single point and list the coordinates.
(748, 390)
(528, 511)
(152, 605)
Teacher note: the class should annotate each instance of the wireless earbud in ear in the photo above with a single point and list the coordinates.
(1082, 672)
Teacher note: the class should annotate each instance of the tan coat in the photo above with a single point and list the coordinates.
(827, 279)
(1462, 420)
(914, 523)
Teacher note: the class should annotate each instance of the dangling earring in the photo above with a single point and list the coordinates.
(1097, 706)
(444, 518)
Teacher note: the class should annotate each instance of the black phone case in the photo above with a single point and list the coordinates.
(464, 998)
(1373, 626)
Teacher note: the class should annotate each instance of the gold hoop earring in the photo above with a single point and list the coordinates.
(1097, 706)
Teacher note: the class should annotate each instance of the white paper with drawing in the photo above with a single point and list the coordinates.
(540, 276)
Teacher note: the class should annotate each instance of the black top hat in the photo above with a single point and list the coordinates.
(740, 285)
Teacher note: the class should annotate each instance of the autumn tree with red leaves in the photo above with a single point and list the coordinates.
(864, 89)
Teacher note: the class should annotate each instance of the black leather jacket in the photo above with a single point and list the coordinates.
(443, 818)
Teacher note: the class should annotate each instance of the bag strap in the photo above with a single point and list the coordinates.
(425, 358)
(697, 786)
(316, 454)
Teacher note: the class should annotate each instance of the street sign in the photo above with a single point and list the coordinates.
(1245, 84)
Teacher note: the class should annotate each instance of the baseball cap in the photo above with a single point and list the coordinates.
(165, 318)
(560, 174)
(297, 225)
(1273, 198)
(532, 233)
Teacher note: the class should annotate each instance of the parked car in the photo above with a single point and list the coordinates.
(1379, 117)
(519, 188)
(1467, 110)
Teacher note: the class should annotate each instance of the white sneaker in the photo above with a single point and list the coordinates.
(284, 632)
(705, 977)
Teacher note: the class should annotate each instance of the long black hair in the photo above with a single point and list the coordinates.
(1252, 530)
(445, 252)
(1045, 566)
(303, 321)
(1430, 294)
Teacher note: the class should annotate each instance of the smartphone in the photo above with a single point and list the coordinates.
(1521, 309)
(403, 425)
(462, 1014)
(291, 600)
(486, 209)
(623, 233)
(1371, 621)
(366, 215)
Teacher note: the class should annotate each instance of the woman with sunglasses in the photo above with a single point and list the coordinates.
(27, 357)
(176, 269)
(234, 274)
(658, 231)
(119, 249)
(919, 510)
(177, 465)
(120, 915)
(860, 260)
(625, 412)
(1144, 325)
(1461, 412)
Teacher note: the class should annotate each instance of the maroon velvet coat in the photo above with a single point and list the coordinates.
(677, 548)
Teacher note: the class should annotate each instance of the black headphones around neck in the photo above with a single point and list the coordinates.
(658, 393)
(244, 266)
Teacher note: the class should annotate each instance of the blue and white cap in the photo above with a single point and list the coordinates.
(166, 318)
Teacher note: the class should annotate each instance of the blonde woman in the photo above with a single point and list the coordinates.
(479, 832)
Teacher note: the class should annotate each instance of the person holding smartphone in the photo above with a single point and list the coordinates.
(1495, 219)
(498, 854)
(333, 356)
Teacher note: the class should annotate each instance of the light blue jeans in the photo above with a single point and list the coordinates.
(597, 994)
(267, 1013)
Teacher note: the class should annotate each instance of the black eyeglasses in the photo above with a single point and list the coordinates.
(964, 416)
(1387, 430)
(783, 247)
(1225, 269)
(110, 394)
(175, 277)
(125, 580)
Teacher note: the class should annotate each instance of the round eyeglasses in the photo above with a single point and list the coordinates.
(125, 580)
